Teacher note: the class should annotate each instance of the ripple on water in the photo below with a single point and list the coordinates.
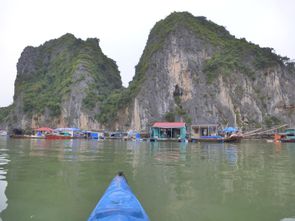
(173, 181)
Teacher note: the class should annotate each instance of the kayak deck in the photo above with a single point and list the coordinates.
(118, 203)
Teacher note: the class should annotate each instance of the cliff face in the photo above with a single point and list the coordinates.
(191, 70)
(61, 84)
(195, 71)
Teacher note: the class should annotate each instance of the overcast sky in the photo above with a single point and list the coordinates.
(123, 27)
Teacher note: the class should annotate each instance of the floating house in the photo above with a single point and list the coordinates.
(201, 130)
(93, 135)
(168, 131)
(209, 133)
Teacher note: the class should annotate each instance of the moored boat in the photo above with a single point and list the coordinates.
(19, 136)
(3, 132)
(118, 203)
(234, 138)
(218, 139)
(210, 133)
(65, 133)
(288, 136)
(57, 136)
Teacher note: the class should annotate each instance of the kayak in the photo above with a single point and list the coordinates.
(118, 203)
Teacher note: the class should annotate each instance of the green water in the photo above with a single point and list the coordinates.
(63, 180)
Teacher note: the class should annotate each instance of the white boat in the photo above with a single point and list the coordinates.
(3, 133)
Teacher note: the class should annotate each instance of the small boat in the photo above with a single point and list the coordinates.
(61, 134)
(210, 133)
(20, 136)
(25, 136)
(3, 133)
(119, 135)
(218, 139)
(288, 136)
(57, 137)
(118, 203)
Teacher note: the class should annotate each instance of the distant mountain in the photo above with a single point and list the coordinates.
(61, 83)
(191, 70)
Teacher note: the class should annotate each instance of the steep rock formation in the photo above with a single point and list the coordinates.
(61, 84)
(195, 71)
(191, 70)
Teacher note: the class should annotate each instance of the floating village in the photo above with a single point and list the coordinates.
(179, 131)
(162, 131)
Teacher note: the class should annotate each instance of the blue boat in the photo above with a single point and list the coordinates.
(118, 203)
(288, 136)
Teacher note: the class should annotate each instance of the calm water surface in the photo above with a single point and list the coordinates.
(63, 180)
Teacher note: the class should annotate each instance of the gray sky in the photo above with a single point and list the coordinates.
(123, 27)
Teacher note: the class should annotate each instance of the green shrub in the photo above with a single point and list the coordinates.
(51, 80)
(271, 121)
(170, 116)
(4, 113)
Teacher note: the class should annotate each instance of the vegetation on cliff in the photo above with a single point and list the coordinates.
(46, 74)
(103, 71)
(231, 55)
(4, 113)
(242, 56)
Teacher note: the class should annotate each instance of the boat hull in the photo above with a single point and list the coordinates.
(288, 140)
(218, 140)
(27, 136)
(57, 137)
(118, 203)
(234, 139)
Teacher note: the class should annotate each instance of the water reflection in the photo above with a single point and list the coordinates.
(291, 148)
(231, 155)
(227, 171)
(169, 153)
(62, 180)
(4, 159)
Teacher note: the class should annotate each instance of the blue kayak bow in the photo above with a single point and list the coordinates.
(118, 203)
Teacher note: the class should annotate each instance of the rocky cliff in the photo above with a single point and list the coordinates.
(61, 84)
(195, 71)
(191, 70)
